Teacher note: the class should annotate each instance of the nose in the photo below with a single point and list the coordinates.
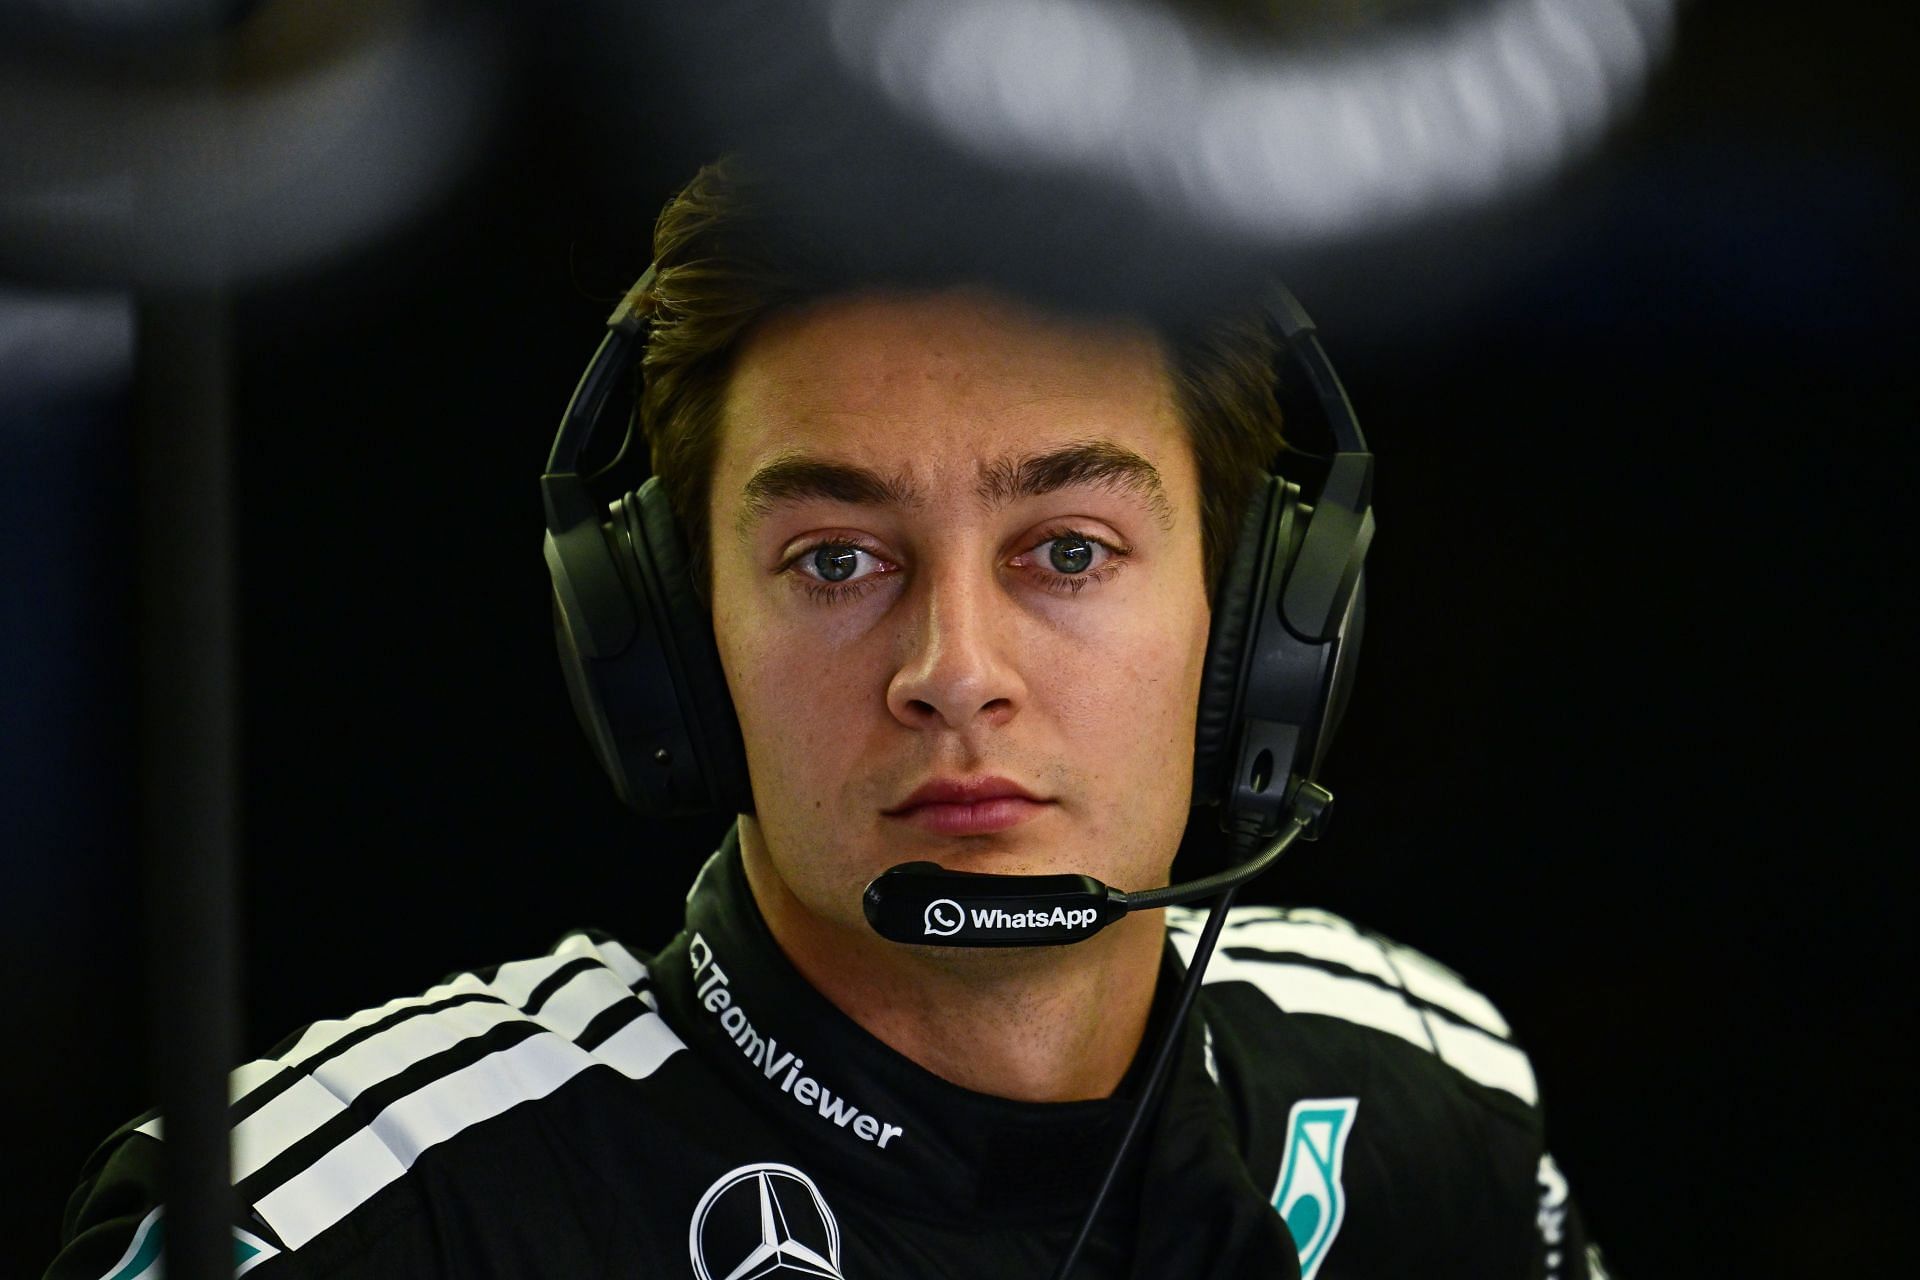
(956, 668)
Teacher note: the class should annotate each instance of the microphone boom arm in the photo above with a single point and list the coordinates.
(925, 904)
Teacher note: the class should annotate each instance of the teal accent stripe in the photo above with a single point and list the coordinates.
(246, 1250)
(143, 1255)
(146, 1251)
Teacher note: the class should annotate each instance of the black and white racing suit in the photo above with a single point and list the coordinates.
(1340, 1107)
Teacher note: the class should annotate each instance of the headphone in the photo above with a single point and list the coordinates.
(637, 647)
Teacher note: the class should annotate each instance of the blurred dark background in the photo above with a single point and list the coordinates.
(1624, 749)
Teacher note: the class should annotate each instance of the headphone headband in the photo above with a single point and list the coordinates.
(566, 498)
(1302, 347)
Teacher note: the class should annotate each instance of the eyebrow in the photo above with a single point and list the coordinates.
(796, 477)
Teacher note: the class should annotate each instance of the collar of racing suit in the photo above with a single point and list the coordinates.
(918, 1145)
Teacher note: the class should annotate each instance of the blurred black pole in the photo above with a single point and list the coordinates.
(189, 676)
(189, 757)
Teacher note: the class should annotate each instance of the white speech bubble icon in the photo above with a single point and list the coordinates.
(944, 918)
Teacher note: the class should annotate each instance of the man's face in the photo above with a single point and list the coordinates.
(956, 539)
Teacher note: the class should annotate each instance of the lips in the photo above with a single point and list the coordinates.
(968, 806)
(962, 791)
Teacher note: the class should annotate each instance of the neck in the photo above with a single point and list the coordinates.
(1036, 1024)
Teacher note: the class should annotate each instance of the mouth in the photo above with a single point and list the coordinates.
(968, 807)
(980, 818)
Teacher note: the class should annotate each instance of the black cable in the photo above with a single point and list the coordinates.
(1220, 882)
(1162, 1056)
(1202, 952)
(1310, 808)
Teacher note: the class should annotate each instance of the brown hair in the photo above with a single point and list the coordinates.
(723, 261)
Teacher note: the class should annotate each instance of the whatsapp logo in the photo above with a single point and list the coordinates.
(943, 918)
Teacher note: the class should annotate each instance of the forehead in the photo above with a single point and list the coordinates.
(932, 387)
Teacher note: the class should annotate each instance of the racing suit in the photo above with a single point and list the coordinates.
(1339, 1107)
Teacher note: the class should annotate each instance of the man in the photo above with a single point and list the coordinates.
(958, 553)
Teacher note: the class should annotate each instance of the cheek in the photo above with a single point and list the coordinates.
(791, 694)
(1134, 695)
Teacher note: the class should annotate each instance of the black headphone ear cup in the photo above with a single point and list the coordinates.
(1215, 729)
(594, 631)
(693, 657)
(589, 707)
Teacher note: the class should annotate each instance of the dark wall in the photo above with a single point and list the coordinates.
(1623, 749)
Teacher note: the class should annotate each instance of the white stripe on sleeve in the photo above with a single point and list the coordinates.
(349, 1175)
(637, 1049)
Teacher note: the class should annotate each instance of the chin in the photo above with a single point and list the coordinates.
(1004, 860)
(1010, 857)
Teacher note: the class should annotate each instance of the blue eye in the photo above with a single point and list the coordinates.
(1075, 561)
(832, 571)
(836, 562)
(1071, 554)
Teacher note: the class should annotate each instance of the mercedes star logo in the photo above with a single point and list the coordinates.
(764, 1220)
